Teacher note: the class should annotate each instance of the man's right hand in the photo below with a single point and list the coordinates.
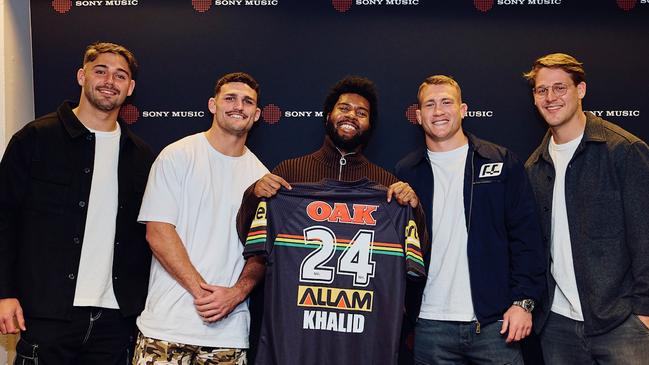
(268, 186)
(11, 313)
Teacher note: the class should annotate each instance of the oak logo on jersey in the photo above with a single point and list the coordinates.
(260, 216)
(321, 211)
(335, 298)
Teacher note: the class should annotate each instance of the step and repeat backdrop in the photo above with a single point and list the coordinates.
(297, 49)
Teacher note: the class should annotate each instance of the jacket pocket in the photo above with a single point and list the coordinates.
(49, 188)
(487, 197)
(602, 215)
(643, 327)
(26, 353)
(488, 181)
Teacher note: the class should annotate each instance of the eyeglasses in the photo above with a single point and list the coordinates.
(559, 89)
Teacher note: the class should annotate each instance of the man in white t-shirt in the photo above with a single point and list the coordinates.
(196, 310)
(590, 180)
(485, 267)
(73, 259)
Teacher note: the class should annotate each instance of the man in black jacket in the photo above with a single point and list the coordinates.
(74, 262)
(485, 267)
(590, 181)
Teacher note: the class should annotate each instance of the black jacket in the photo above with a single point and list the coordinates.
(45, 178)
(606, 201)
(504, 246)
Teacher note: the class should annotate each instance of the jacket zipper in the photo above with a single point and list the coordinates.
(471, 199)
(477, 322)
(342, 162)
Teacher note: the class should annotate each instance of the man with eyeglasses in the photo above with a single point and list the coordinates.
(590, 180)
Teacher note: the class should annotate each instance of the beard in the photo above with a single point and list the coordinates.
(346, 144)
(101, 103)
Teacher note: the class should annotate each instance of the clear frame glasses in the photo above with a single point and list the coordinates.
(558, 89)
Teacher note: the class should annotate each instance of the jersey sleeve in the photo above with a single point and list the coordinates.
(414, 258)
(259, 239)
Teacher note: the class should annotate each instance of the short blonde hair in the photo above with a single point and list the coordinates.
(440, 80)
(561, 61)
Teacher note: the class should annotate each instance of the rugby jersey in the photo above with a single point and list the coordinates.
(337, 260)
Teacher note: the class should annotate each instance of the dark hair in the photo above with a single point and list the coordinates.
(94, 50)
(353, 85)
(561, 61)
(237, 77)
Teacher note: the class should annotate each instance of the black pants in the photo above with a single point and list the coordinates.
(94, 336)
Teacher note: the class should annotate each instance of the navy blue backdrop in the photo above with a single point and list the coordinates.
(298, 48)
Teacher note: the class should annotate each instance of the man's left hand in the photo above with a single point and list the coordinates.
(644, 319)
(403, 193)
(219, 303)
(519, 323)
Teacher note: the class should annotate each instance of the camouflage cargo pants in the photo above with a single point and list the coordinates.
(150, 351)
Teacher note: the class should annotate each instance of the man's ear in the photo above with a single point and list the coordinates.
(81, 76)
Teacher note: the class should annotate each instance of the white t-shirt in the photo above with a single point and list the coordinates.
(199, 191)
(447, 295)
(566, 296)
(94, 280)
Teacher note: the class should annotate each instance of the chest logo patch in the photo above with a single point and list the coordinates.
(491, 169)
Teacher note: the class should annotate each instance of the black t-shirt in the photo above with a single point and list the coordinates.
(337, 259)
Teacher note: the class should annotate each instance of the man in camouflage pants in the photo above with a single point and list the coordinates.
(196, 311)
(155, 351)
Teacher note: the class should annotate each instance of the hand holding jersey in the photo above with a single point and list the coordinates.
(403, 194)
(270, 184)
(342, 252)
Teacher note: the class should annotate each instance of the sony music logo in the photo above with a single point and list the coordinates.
(387, 2)
(479, 113)
(616, 113)
(246, 2)
(173, 114)
(303, 114)
(529, 2)
(106, 3)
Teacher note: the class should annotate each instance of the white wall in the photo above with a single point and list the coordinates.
(17, 93)
(2, 81)
(16, 78)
